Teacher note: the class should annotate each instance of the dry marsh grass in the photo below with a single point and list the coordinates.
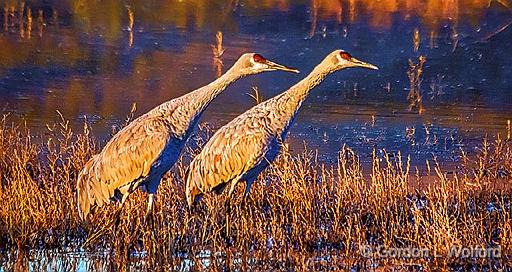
(300, 215)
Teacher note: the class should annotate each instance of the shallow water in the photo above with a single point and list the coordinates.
(83, 59)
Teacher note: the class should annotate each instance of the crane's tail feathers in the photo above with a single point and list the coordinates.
(191, 190)
(91, 192)
(82, 188)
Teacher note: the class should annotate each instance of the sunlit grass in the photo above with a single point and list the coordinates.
(508, 129)
(255, 95)
(299, 214)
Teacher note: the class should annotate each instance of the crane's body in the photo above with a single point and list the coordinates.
(143, 151)
(243, 148)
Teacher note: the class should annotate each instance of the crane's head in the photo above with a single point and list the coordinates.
(252, 63)
(341, 60)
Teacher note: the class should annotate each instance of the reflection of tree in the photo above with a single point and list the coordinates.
(380, 13)
(108, 17)
(67, 48)
(324, 9)
(218, 51)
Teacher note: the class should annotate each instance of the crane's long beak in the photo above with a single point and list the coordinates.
(364, 64)
(275, 66)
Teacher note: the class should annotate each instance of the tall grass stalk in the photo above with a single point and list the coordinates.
(301, 214)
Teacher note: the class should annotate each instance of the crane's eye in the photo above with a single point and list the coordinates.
(345, 55)
(258, 58)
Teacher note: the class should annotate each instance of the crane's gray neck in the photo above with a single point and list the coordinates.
(299, 92)
(199, 99)
(184, 112)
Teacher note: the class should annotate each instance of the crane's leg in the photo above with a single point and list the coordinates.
(150, 216)
(227, 208)
(118, 212)
(114, 222)
(151, 199)
(151, 187)
(232, 188)
(248, 184)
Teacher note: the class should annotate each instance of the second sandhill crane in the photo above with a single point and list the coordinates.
(143, 151)
(242, 149)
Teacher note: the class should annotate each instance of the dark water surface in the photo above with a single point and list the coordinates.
(82, 58)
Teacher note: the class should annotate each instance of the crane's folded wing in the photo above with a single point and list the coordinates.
(127, 157)
(230, 153)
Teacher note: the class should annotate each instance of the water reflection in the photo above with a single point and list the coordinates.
(92, 60)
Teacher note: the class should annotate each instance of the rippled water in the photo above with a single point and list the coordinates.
(84, 60)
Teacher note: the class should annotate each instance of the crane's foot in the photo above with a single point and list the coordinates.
(149, 212)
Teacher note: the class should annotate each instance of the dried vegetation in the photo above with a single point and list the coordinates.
(300, 215)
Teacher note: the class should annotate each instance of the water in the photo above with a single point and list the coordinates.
(83, 60)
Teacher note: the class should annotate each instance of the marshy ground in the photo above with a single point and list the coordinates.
(301, 214)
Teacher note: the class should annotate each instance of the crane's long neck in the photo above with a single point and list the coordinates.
(183, 113)
(199, 99)
(294, 96)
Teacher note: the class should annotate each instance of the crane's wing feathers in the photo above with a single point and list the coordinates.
(231, 152)
(131, 153)
(127, 157)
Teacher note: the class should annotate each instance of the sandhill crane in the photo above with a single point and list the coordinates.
(143, 151)
(243, 148)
